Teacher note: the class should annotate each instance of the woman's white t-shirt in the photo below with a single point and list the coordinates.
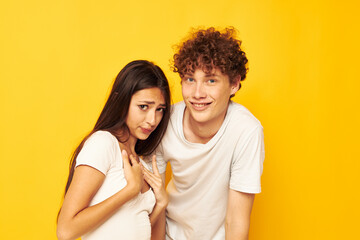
(131, 222)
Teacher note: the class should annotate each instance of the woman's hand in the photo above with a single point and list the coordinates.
(157, 184)
(133, 173)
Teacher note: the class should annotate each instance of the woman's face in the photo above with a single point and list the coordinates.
(145, 112)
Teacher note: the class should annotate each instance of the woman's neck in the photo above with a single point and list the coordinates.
(129, 145)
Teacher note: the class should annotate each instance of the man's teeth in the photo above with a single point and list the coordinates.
(199, 104)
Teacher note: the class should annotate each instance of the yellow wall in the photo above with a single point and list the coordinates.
(58, 60)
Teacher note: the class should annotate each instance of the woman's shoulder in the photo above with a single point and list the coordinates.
(99, 151)
(102, 138)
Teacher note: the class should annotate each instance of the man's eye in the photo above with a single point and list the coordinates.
(190, 79)
(211, 81)
(143, 107)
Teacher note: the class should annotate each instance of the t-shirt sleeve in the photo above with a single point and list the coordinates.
(97, 152)
(161, 163)
(247, 165)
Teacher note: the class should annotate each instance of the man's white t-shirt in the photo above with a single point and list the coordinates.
(203, 173)
(131, 222)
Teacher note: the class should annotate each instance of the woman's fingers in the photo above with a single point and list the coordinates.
(132, 171)
(149, 176)
(133, 160)
(156, 183)
(125, 158)
(149, 180)
(153, 180)
(154, 165)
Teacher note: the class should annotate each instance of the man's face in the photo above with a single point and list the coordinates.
(207, 96)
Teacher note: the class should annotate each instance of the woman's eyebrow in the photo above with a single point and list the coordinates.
(147, 102)
(151, 102)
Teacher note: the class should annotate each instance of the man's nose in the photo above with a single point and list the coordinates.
(199, 90)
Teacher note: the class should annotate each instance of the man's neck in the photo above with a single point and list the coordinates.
(197, 132)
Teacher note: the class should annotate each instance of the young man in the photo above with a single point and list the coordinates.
(215, 146)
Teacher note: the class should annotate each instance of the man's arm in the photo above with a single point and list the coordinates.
(237, 221)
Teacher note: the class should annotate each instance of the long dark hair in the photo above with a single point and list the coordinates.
(135, 76)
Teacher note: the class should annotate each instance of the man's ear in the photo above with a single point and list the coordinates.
(236, 85)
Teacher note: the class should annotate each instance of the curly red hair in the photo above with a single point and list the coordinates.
(208, 49)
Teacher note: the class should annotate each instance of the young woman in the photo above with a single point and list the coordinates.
(109, 194)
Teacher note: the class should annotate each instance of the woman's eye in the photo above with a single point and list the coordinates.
(190, 79)
(143, 107)
(161, 109)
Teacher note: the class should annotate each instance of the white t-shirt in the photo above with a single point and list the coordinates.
(203, 173)
(131, 222)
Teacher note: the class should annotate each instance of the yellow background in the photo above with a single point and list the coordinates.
(59, 58)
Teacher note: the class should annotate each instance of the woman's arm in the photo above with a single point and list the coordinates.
(158, 229)
(157, 216)
(76, 218)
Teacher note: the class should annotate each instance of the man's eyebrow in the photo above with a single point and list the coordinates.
(211, 75)
(188, 75)
(206, 75)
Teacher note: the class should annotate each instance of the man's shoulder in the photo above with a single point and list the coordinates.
(240, 115)
(176, 115)
(177, 106)
(177, 109)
